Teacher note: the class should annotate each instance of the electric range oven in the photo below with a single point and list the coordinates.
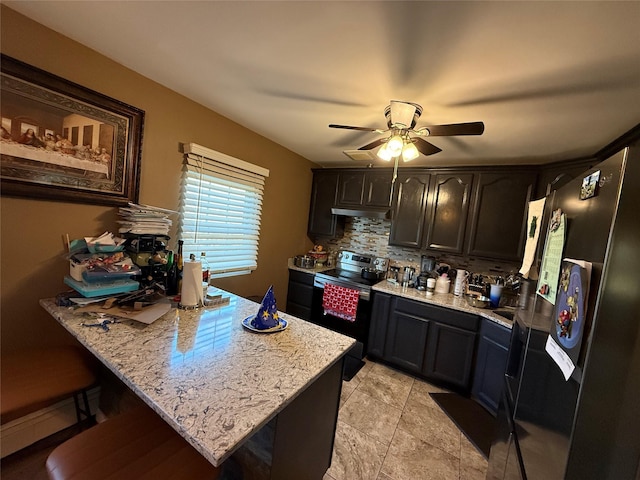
(348, 274)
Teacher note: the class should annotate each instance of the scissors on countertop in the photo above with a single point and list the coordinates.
(103, 323)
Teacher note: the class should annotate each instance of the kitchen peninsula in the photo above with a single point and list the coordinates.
(219, 384)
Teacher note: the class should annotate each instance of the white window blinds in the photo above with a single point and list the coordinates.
(221, 206)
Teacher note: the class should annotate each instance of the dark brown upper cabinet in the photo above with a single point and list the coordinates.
(324, 194)
(409, 209)
(377, 192)
(498, 214)
(460, 211)
(350, 189)
(449, 198)
(365, 188)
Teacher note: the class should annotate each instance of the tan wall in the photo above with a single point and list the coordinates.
(32, 263)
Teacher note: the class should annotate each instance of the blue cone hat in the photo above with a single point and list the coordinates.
(267, 316)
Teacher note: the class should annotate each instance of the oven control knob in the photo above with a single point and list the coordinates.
(343, 255)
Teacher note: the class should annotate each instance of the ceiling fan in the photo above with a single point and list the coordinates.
(404, 139)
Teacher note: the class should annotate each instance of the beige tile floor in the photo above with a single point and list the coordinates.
(389, 428)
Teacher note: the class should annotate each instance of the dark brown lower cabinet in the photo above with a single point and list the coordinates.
(430, 341)
(450, 354)
(491, 361)
(379, 322)
(406, 342)
(300, 294)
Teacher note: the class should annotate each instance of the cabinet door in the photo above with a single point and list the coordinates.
(409, 208)
(351, 189)
(450, 355)
(498, 214)
(491, 362)
(300, 294)
(379, 323)
(323, 196)
(377, 188)
(450, 196)
(406, 341)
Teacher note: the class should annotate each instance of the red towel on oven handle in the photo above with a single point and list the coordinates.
(340, 302)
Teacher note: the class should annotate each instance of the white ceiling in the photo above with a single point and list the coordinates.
(551, 80)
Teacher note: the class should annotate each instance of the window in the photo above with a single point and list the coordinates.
(220, 207)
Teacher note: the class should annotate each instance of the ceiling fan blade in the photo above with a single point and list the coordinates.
(471, 128)
(425, 147)
(349, 127)
(371, 145)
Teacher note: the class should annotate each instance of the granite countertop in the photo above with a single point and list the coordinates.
(212, 380)
(442, 299)
(310, 271)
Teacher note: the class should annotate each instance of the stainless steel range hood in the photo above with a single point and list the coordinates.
(369, 212)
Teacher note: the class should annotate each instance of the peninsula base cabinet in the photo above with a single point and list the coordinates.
(433, 342)
(491, 361)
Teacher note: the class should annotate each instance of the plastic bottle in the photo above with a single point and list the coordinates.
(205, 267)
(179, 261)
(172, 274)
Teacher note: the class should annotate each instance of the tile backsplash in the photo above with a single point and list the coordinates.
(371, 236)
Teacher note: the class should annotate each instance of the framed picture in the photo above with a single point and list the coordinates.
(62, 141)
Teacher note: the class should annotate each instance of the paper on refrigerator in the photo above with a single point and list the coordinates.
(534, 220)
(560, 357)
(552, 257)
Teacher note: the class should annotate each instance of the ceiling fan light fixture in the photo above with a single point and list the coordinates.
(409, 152)
(384, 154)
(404, 139)
(394, 145)
(402, 113)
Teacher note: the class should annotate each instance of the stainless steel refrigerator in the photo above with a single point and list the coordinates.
(586, 427)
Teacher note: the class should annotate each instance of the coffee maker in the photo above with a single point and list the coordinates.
(427, 270)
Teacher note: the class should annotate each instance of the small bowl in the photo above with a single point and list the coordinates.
(478, 302)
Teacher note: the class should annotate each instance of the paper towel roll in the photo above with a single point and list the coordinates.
(191, 294)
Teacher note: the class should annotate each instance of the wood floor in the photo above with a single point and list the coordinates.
(29, 463)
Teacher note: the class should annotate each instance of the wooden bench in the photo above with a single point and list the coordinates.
(38, 378)
(137, 444)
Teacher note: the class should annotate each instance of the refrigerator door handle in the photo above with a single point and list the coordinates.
(508, 399)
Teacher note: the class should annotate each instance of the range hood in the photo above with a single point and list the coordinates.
(369, 212)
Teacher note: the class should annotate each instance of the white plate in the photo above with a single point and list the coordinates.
(247, 324)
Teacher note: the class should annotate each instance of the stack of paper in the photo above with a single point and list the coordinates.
(144, 220)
